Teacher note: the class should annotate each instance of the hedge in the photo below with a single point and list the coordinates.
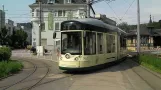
(5, 53)
(10, 67)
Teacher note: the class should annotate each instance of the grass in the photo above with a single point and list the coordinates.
(151, 61)
(10, 67)
(151, 67)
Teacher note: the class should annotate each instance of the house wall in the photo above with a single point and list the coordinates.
(46, 34)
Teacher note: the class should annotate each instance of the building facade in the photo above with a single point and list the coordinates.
(149, 38)
(2, 19)
(53, 13)
(10, 26)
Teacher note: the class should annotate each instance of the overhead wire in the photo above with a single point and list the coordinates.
(128, 9)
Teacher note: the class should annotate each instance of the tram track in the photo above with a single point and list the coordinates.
(24, 80)
(40, 81)
(48, 69)
(35, 68)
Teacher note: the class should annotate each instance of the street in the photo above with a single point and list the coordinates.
(45, 75)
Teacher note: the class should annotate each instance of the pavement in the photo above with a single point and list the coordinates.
(126, 75)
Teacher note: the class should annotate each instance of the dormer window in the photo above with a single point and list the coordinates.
(51, 1)
(67, 1)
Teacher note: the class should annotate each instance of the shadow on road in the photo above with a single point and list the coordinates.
(107, 68)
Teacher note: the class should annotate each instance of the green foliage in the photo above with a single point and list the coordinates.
(29, 47)
(19, 38)
(124, 26)
(4, 37)
(151, 61)
(5, 53)
(7, 68)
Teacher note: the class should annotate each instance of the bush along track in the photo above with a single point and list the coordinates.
(8, 68)
(152, 62)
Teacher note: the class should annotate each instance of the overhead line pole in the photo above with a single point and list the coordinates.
(40, 25)
(88, 8)
(138, 27)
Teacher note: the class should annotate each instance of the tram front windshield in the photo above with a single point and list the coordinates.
(71, 43)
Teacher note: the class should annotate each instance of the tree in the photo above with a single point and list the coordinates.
(20, 37)
(160, 22)
(4, 37)
(124, 26)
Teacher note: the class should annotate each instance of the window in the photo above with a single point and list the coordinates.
(32, 14)
(37, 12)
(67, 1)
(55, 13)
(71, 26)
(51, 1)
(100, 43)
(43, 26)
(89, 43)
(60, 13)
(122, 42)
(110, 43)
(57, 43)
(57, 26)
(71, 43)
(43, 42)
(113, 43)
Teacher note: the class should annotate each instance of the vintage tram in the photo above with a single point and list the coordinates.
(90, 43)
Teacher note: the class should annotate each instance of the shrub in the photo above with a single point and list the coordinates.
(5, 53)
(152, 60)
(10, 67)
(29, 47)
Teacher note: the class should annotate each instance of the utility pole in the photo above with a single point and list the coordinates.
(40, 24)
(138, 27)
(88, 8)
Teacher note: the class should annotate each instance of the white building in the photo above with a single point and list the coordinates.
(53, 13)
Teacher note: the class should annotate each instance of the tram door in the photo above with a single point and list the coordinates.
(100, 49)
(90, 47)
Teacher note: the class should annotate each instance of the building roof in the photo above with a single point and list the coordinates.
(143, 31)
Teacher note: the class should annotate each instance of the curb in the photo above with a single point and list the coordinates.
(151, 71)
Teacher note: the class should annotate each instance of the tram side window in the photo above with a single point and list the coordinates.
(90, 43)
(110, 43)
(71, 26)
(123, 42)
(113, 43)
(100, 43)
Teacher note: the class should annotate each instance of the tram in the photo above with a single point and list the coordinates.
(90, 43)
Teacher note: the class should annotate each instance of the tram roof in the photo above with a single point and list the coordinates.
(99, 23)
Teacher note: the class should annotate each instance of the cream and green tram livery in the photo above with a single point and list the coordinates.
(90, 43)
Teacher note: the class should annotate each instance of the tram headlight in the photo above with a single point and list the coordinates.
(76, 59)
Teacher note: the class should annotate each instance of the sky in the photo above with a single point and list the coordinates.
(118, 10)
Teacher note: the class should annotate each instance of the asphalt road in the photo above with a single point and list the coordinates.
(45, 75)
